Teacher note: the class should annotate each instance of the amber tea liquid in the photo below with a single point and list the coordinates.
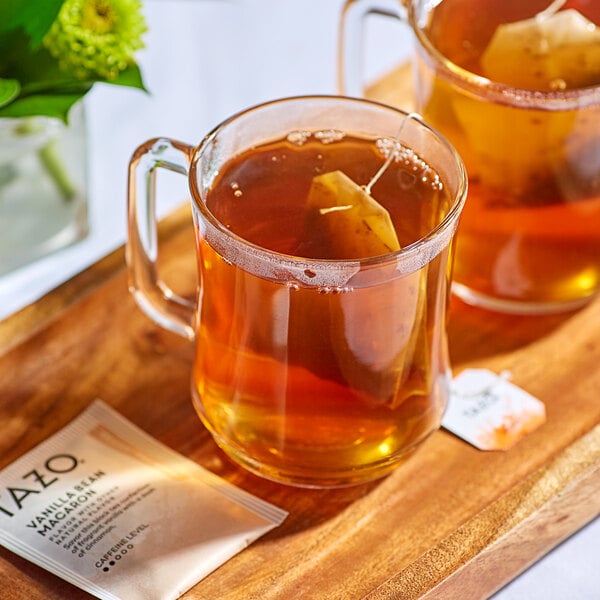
(529, 238)
(308, 381)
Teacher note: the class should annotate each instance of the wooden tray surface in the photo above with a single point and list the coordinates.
(452, 522)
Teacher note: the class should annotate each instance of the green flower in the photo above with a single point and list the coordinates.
(94, 39)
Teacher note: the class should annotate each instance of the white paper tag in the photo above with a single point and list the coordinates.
(107, 507)
(489, 412)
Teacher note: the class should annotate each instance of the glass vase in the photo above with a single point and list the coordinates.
(43, 203)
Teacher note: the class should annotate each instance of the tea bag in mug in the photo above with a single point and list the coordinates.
(555, 50)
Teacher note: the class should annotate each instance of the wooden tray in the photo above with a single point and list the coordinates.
(452, 522)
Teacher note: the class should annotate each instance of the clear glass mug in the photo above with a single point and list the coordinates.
(529, 239)
(311, 372)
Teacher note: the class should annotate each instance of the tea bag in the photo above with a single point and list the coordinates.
(554, 50)
(378, 332)
(352, 223)
(381, 342)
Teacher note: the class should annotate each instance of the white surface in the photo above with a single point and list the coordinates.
(206, 59)
(569, 572)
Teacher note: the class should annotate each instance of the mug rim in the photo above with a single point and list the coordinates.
(495, 91)
(409, 252)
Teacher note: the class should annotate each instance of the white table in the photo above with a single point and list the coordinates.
(206, 59)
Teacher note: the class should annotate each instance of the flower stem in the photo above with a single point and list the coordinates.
(51, 160)
(55, 167)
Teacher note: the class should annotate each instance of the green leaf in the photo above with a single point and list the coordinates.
(9, 90)
(51, 105)
(19, 61)
(56, 86)
(130, 77)
(31, 80)
(34, 16)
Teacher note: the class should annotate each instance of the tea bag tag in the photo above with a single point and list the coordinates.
(552, 51)
(353, 222)
(489, 412)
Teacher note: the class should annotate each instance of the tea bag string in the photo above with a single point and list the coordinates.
(392, 153)
(554, 7)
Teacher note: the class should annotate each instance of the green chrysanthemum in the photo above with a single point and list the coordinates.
(96, 38)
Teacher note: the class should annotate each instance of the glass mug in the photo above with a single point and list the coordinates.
(529, 238)
(315, 372)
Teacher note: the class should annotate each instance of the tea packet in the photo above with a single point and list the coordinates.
(108, 508)
(551, 51)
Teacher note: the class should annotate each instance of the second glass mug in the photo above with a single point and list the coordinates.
(310, 372)
(529, 238)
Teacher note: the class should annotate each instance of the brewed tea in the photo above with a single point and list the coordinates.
(530, 232)
(319, 381)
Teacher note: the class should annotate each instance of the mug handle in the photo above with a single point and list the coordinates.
(351, 35)
(152, 295)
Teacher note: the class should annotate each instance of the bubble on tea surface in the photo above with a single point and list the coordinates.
(298, 138)
(419, 168)
(235, 187)
(557, 85)
(319, 165)
(328, 136)
(406, 180)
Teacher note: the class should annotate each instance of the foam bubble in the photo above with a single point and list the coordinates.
(328, 136)
(298, 138)
(410, 159)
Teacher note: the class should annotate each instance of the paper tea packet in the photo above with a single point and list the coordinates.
(108, 508)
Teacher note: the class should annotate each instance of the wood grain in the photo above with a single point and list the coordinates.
(452, 522)
(452, 518)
